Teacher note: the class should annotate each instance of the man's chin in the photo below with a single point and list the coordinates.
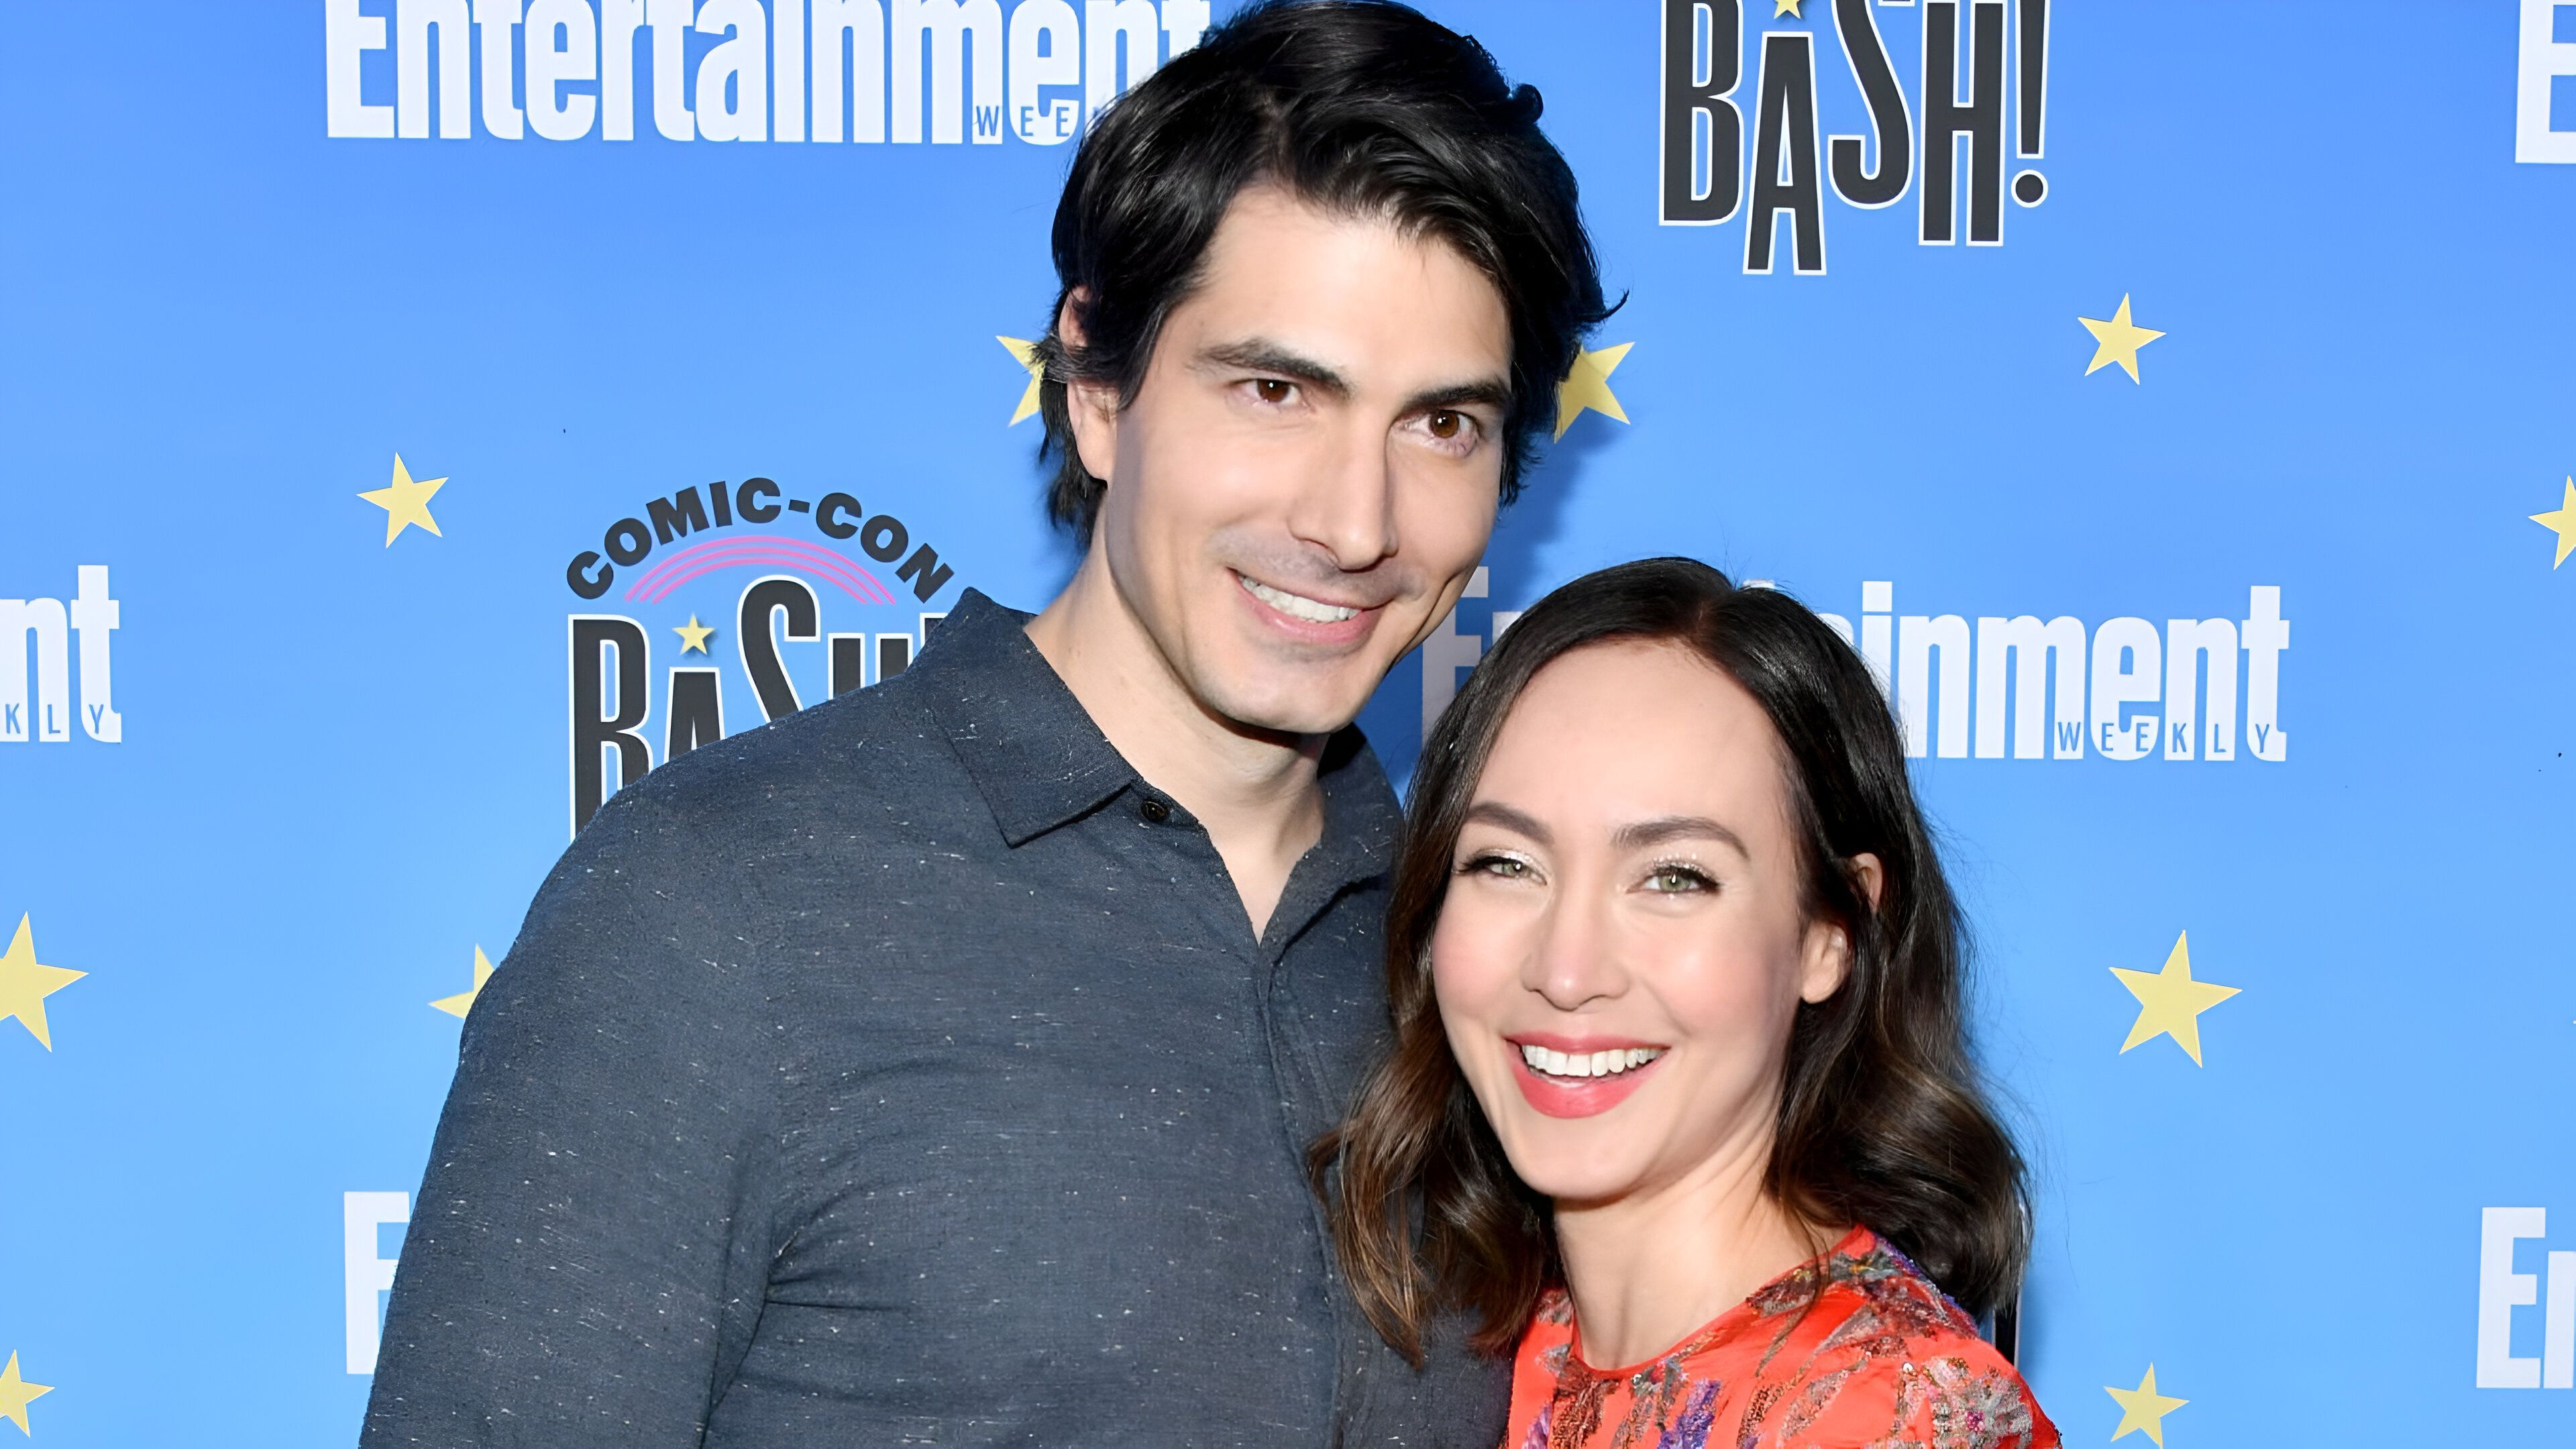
(1274, 711)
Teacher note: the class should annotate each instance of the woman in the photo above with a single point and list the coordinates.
(1680, 1100)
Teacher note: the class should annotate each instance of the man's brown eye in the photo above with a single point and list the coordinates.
(1272, 390)
(1446, 425)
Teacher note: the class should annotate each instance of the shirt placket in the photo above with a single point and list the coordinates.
(1295, 1074)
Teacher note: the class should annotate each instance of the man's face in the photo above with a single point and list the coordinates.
(1303, 484)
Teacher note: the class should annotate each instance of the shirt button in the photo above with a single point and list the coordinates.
(1155, 810)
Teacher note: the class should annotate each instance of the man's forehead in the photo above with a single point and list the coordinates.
(1355, 294)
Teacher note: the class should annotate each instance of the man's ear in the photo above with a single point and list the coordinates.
(1091, 407)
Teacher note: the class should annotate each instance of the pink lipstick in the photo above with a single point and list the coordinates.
(1561, 1095)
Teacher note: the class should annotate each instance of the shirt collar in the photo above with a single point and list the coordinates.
(1033, 751)
(1361, 819)
(1039, 761)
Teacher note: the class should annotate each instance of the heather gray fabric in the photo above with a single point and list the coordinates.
(907, 1072)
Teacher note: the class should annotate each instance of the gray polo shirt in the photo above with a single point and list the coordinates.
(907, 1072)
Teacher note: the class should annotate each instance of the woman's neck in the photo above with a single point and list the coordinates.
(1647, 1268)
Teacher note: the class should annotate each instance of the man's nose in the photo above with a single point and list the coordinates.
(1347, 506)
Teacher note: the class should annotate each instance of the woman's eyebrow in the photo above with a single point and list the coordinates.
(1645, 833)
(1519, 822)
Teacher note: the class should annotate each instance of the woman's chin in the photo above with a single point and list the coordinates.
(1573, 1180)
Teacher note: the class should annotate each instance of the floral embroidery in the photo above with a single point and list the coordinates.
(1690, 1431)
(1853, 1348)
(1580, 1393)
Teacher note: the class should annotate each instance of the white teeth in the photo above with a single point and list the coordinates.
(1297, 606)
(1588, 1064)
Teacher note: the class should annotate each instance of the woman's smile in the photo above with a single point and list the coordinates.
(1571, 1076)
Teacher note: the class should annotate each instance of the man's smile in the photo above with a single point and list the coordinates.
(1298, 606)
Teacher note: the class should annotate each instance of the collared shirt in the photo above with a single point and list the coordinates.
(908, 1071)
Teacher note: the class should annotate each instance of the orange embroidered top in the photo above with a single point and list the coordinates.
(1852, 1350)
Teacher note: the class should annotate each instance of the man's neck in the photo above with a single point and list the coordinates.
(1254, 792)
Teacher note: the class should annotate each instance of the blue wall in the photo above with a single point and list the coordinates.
(338, 766)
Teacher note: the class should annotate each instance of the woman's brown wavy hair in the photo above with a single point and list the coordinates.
(1883, 1119)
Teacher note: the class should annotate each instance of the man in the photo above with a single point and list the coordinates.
(937, 1065)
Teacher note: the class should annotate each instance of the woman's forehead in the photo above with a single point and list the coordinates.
(1626, 732)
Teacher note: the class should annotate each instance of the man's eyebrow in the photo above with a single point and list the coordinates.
(1260, 354)
(1519, 822)
(1645, 833)
(1491, 392)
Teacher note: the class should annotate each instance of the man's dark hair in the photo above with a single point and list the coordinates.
(1357, 107)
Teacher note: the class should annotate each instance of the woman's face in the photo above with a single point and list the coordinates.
(1622, 950)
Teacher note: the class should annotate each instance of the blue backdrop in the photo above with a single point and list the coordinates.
(2286, 712)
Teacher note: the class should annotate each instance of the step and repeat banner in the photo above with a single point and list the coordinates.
(425, 417)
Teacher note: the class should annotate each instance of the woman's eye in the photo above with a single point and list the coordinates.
(1496, 865)
(1676, 880)
(1272, 390)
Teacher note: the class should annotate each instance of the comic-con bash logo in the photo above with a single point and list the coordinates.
(738, 70)
(1742, 131)
(686, 554)
(36, 649)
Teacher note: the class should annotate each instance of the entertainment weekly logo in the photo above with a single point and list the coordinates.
(2501, 1290)
(738, 70)
(2544, 92)
(2025, 688)
(36, 648)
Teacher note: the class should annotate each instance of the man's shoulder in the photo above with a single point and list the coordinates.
(879, 746)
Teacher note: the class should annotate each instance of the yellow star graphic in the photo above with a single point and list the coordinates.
(2117, 340)
(1587, 385)
(16, 1394)
(2142, 1408)
(693, 635)
(404, 502)
(2170, 1002)
(25, 983)
(1025, 353)
(1788, 8)
(463, 1001)
(2561, 521)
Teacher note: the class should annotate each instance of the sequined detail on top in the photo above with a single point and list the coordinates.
(1854, 1349)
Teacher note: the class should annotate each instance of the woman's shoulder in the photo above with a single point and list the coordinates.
(1864, 1286)
(1888, 1358)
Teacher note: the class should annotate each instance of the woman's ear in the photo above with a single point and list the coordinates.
(1827, 962)
(1090, 407)
(1867, 876)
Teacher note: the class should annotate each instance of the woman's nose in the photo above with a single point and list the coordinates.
(1575, 959)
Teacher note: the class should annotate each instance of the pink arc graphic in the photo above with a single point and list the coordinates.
(756, 549)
